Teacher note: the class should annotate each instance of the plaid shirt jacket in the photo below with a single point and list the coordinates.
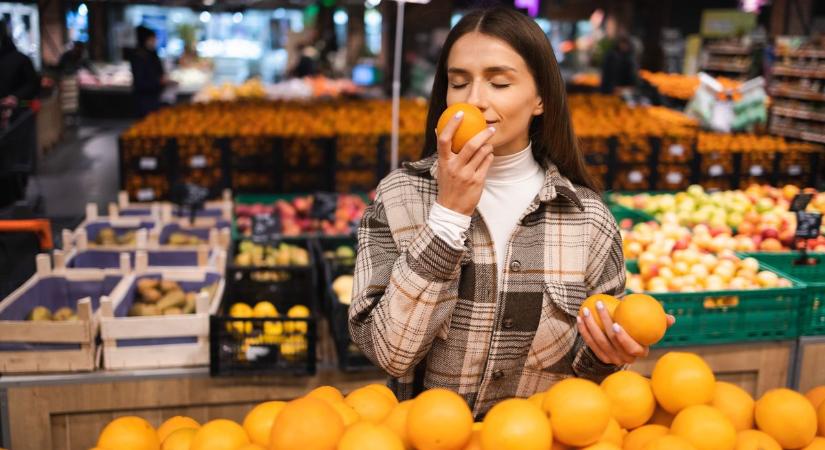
(433, 316)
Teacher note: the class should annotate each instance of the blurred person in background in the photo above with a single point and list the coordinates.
(148, 77)
(619, 67)
(71, 61)
(19, 82)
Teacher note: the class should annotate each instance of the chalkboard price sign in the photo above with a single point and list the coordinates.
(324, 205)
(266, 228)
(808, 225)
(800, 202)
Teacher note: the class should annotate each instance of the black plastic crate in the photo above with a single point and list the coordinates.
(252, 284)
(324, 262)
(262, 346)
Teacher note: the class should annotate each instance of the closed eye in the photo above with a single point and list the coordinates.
(459, 86)
(500, 86)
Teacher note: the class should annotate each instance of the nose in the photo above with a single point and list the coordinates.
(478, 96)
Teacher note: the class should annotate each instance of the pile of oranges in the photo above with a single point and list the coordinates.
(600, 115)
(680, 407)
(680, 86)
(748, 142)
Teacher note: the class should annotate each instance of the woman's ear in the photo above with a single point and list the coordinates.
(539, 108)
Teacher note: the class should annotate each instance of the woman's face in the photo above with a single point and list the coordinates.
(486, 72)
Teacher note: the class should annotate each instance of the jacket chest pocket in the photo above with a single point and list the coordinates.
(556, 332)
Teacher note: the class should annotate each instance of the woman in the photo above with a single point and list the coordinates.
(148, 77)
(471, 267)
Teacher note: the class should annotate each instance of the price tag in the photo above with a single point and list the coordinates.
(145, 195)
(756, 171)
(807, 225)
(676, 150)
(635, 176)
(716, 170)
(795, 169)
(800, 202)
(324, 205)
(674, 178)
(197, 162)
(266, 227)
(148, 163)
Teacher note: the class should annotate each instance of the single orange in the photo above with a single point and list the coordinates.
(614, 434)
(755, 440)
(439, 419)
(631, 398)
(661, 417)
(610, 302)
(327, 393)
(174, 423)
(306, 423)
(129, 433)
(680, 380)
(180, 439)
(369, 436)
(219, 434)
(258, 422)
(348, 415)
(472, 123)
(516, 424)
(669, 443)
(475, 439)
(787, 416)
(642, 317)
(371, 404)
(579, 411)
(537, 398)
(383, 389)
(816, 395)
(705, 427)
(640, 437)
(735, 403)
(397, 421)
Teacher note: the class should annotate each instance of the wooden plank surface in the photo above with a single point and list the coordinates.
(44, 331)
(180, 325)
(48, 361)
(156, 356)
(812, 366)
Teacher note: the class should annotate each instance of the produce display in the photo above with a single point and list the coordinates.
(251, 254)
(680, 406)
(179, 239)
(289, 336)
(294, 89)
(108, 236)
(680, 86)
(342, 286)
(42, 314)
(295, 216)
(157, 297)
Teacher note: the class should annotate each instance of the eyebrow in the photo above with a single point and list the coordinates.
(493, 69)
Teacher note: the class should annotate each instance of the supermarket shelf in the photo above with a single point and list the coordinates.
(798, 113)
(797, 72)
(726, 67)
(798, 94)
(102, 376)
(798, 134)
(806, 53)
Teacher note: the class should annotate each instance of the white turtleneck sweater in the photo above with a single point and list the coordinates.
(511, 185)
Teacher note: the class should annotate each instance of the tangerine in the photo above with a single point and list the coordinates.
(631, 398)
(787, 416)
(516, 424)
(471, 124)
(439, 419)
(579, 411)
(680, 380)
(306, 424)
(642, 317)
(129, 433)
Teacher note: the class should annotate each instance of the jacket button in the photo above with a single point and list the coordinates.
(508, 323)
(498, 374)
(515, 266)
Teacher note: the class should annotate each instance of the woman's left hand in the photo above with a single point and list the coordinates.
(614, 345)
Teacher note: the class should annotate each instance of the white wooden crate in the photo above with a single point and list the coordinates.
(80, 334)
(158, 355)
(164, 211)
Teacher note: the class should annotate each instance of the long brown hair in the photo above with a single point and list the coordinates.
(551, 133)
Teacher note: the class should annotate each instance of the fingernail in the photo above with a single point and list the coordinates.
(617, 328)
(599, 305)
(578, 319)
(492, 129)
(586, 312)
(459, 114)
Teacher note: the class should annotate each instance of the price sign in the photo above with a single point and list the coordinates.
(674, 177)
(756, 171)
(800, 202)
(716, 170)
(266, 228)
(197, 162)
(145, 195)
(148, 163)
(677, 150)
(807, 225)
(324, 205)
(795, 169)
(635, 176)
(189, 197)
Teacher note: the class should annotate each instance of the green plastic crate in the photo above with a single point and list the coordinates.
(812, 317)
(724, 317)
(621, 213)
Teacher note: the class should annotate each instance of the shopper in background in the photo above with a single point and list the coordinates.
(19, 82)
(148, 77)
(71, 61)
(619, 68)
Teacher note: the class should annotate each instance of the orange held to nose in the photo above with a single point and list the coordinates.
(472, 123)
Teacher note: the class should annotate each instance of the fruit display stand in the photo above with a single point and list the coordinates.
(43, 345)
(166, 211)
(174, 339)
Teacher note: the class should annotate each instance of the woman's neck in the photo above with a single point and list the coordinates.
(513, 168)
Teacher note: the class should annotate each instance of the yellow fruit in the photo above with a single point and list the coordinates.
(258, 422)
(129, 433)
(640, 437)
(439, 419)
(370, 404)
(669, 443)
(175, 423)
(631, 398)
(680, 380)
(348, 415)
(787, 416)
(579, 411)
(516, 424)
(180, 439)
(537, 399)
(610, 302)
(602, 446)
(370, 436)
(383, 389)
(251, 447)
(306, 424)
(614, 434)
(240, 311)
(661, 417)
(705, 427)
(816, 395)
(264, 309)
(397, 421)
(219, 434)
(328, 393)
(296, 312)
(820, 414)
(471, 124)
(475, 438)
(735, 403)
(817, 444)
(642, 317)
(755, 440)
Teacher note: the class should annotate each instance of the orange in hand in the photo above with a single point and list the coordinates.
(472, 123)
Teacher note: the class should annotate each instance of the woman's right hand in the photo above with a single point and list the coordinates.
(461, 176)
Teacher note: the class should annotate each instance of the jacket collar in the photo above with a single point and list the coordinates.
(555, 184)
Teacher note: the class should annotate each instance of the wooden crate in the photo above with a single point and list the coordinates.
(165, 211)
(155, 340)
(755, 366)
(27, 346)
(810, 364)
